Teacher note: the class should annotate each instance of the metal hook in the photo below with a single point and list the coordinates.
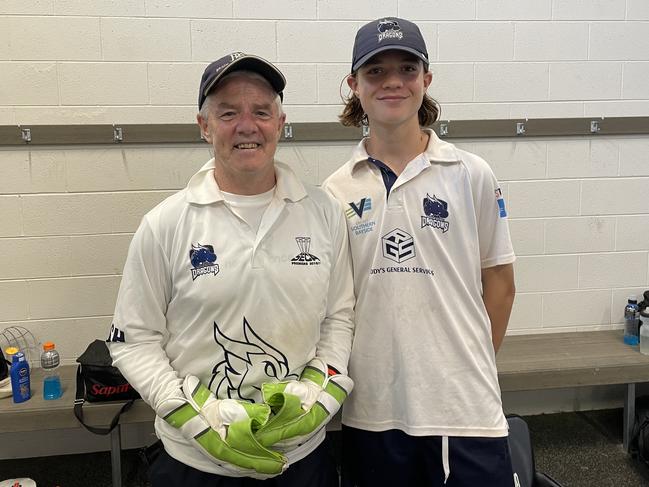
(520, 128)
(288, 131)
(594, 126)
(26, 135)
(118, 135)
(443, 129)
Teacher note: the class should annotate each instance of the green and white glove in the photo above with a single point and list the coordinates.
(301, 408)
(223, 429)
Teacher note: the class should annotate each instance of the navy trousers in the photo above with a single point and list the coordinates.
(317, 469)
(392, 457)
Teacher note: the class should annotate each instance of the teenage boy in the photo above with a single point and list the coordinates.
(434, 282)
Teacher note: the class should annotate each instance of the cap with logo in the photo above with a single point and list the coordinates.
(388, 33)
(238, 61)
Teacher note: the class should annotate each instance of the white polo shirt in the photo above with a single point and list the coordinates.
(204, 294)
(422, 358)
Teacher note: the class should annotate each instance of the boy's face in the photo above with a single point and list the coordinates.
(391, 87)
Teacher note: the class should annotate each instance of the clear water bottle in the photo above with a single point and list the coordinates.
(644, 331)
(50, 361)
(631, 325)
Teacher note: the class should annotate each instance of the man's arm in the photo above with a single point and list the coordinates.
(498, 292)
(139, 321)
(337, 328)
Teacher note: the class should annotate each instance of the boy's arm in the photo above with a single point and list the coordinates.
(498, 292)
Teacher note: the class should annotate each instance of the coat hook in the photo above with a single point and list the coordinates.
(26, 135)
(118, 135)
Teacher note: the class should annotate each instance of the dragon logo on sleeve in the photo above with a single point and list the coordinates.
(251, 357)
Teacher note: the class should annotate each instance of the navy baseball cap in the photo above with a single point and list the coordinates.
(238, 61)
(388, 33)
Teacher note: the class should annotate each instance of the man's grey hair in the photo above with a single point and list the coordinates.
(205, 109)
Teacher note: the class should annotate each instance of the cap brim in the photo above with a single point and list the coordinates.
(252, 63)
(374, 52)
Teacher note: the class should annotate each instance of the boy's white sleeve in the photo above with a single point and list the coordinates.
(139, 324)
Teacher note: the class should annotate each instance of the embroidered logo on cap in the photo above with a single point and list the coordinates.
(389, 29)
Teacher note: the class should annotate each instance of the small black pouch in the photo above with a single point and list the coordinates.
(99, 381)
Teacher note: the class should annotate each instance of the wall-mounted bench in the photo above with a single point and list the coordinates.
(559, 360)
(525, 362)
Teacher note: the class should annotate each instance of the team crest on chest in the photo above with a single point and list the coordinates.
(203, 260)
(435, 213)
(304, 257)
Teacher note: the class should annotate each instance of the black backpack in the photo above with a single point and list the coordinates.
(522, 455)
(639, 444)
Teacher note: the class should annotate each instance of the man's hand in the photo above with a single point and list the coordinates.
(301, 408)
(223, 429)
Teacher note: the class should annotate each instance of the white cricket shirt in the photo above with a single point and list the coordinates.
(205, 294)
(422, 359)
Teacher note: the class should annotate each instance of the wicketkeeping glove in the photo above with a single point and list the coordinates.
(223, 429)
(301, 408)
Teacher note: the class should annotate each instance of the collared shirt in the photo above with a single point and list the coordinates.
(422, 358)
(204, 294)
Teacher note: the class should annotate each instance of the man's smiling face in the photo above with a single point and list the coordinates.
(244, 125)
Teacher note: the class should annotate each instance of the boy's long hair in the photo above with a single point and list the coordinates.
(354, 116)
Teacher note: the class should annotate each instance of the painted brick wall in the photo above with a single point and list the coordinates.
(579, 207)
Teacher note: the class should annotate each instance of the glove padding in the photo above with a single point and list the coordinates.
(301, 408)
(223, 429)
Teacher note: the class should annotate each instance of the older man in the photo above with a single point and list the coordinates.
(234, 315)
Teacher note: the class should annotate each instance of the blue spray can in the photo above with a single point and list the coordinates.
(19, 373)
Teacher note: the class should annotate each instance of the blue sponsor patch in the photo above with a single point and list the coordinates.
(501, 203)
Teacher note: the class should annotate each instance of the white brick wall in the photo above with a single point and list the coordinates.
(578, 207)
(493, 58)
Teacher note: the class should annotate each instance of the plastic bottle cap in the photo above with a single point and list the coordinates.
(48, 346)
(11, 351)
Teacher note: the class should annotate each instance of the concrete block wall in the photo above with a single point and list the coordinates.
(579, 207)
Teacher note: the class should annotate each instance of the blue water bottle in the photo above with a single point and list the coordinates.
(19, 372)
(631, 322)
(50, 361)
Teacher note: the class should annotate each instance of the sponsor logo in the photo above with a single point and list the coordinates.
(436, 212)
(249, 355)
(203, 258)
(389, 29)
(115, 334)
(501, 203)
(398, 245)
(304, 257)
(365, 204)
(363, 227)
(107, 391)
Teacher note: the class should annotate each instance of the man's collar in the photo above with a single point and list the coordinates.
(436, 151)
(202, 188)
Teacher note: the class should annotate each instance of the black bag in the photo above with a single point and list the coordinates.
(522, 455)
(639, 444)
(4, 367)
(99, 381)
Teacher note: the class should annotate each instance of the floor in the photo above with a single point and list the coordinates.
(576, 449)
